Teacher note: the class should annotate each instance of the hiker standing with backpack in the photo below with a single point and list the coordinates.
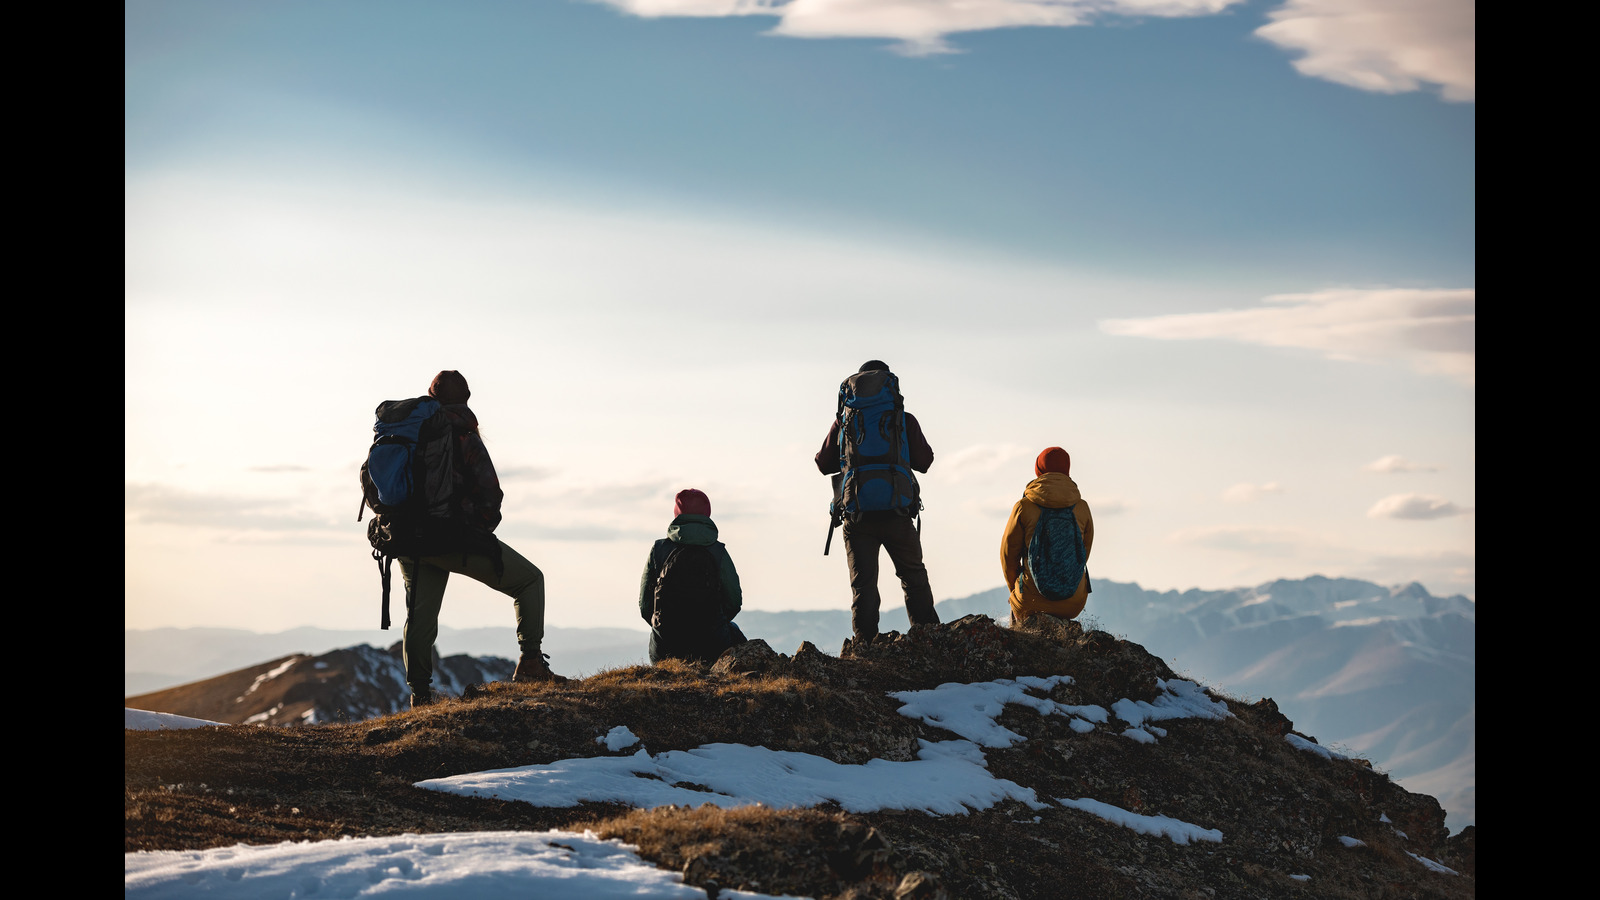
(871, 451)
(1045, 550)
(689, 592)
(429, 479)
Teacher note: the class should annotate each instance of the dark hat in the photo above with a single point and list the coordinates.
(1053, 459)
(449, 387)
(691, 501)
(872, 365)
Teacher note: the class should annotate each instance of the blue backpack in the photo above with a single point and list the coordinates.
(874, 457)
(1057, 559)
(407, 477)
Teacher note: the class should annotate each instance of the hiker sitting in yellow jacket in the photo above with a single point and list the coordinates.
(1052, 489)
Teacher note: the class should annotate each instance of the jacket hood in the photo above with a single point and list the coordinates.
(694, 529)
(1053, 490)
(460, 416)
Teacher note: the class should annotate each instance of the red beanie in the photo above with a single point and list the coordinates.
(449, 388)
(691, 501)
(1053, 459)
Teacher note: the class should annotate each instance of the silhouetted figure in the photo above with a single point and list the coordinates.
(689, 592)
(871, 450)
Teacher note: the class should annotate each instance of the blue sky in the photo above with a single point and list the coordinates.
(656, 243)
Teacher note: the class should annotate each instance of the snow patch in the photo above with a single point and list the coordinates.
(970, 710)
(1300, 743)
(617, 738)
(1177, 830)
(1433, 866)
(1179, 699)
(1349, 841)
(145, 720)
(947, 778)
(491, 865)
(265, 677)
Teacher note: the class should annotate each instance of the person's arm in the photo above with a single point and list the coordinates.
(647, 587)
(732, 595)
(1012, 546)
(1088, 530)
(921, 453)
(827, 458)
(483, 484)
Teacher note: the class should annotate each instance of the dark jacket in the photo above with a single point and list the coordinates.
(827, 458)
(477, 494)
(698, 530)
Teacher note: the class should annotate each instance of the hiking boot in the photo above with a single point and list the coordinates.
(421, 696)
(532, 667)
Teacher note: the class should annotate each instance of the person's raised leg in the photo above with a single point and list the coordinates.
(522, 581)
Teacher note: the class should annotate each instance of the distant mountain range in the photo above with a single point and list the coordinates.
(1385, 672)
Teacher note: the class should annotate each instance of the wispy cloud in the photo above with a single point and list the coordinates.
(1280, 542)
(987, 459)
(918, 26)
(1434, 330)
(1415, 506)
(159, 504)
(1249, 493)
(1395, 463)
(1381, 45)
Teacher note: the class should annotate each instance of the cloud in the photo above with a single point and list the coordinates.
(919, 26)
(1415, 506)
(158, 504)
(1372, 45)
(988, 459)
(1243, 539)
(1394, 463)
(279, 468)
(525, 473)
(1249, 493)
(1434, 330)
(1382, 45)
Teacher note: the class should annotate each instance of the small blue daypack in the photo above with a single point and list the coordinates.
(1056, 555)
(874, 456)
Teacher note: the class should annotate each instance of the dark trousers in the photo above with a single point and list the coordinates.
(897, 535)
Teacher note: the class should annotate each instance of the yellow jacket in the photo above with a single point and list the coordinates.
(1056, 491)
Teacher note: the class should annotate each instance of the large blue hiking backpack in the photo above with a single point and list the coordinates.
(1057, 558)
(875, 474)
(407, 481)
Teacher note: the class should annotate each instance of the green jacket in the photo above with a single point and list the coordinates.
(693, 529)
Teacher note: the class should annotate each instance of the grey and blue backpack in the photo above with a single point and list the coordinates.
(874, 456)
(1057, 558)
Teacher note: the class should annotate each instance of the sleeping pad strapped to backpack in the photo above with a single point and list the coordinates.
(874, 455)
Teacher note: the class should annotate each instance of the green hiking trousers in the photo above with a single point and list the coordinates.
(425, 583)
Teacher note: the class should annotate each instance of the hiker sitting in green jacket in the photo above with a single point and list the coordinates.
(690, 590)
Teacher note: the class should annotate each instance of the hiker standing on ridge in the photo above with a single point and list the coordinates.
(437, 498)
(871, 450)
(689, 592)
(1045, 551)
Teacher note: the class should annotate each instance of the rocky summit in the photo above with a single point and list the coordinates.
(962, 760)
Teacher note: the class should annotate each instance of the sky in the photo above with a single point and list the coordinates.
(1222, 252)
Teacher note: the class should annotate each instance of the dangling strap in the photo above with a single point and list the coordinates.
(383, 572)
